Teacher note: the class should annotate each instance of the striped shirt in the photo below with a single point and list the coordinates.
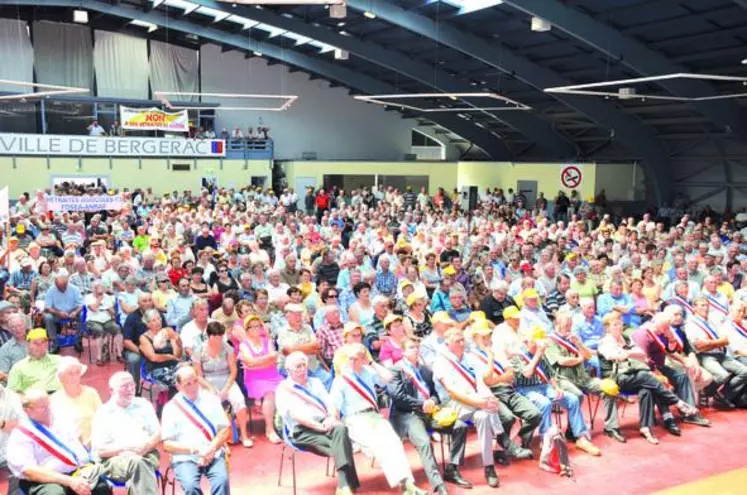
(519, 364)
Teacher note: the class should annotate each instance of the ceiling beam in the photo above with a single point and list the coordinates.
(328, 69)
(631, 131)
(637, 56)
(524, 122)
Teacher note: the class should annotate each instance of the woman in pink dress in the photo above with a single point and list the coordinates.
(261, 376)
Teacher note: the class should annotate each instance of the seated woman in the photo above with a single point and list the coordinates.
(215, 364)
(261, 376)
(392, 346)
(161, 349)
(75, 404)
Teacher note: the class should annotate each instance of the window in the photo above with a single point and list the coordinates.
(68, 117)
(427, 148)
(17, 116)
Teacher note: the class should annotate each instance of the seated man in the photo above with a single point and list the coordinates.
(460, 387)
(536, 381)
(568, 354)
(729, 375)
(125, 437)
(623, 363)
(16, 348)
(63, 302)
(655, 339)
(413, 400)
(298, 336)
(682, 356)
(135, 327)
(195, 432)
(38, 370)
(588, 326)
(353, 396)
(50, 460)
(194, 333)
(512, 405)
(309, 421)
(11, 412)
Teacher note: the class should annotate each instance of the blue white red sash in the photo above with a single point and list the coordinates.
(360, 387)
(49, 442)
(717, 305)
(414, 375)
(657, 340)
(309, 398)
(565, 343)
(196, 417)
(483, 356)
(466, 374)
(682, 303)
(740, 329)
(678, 339)
(527, 357)
(706, 327)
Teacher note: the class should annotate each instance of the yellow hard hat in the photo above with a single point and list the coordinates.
(609, 387)
(482, 327)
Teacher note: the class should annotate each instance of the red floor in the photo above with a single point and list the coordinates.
(632, 468)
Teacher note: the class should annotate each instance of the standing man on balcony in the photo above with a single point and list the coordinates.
(95, 129)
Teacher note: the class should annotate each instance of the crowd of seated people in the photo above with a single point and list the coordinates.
(355, 322)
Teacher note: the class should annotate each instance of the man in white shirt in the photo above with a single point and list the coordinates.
(193, 333)
(95, 129)
(50, 459)
(125, 436)
(195, 432)
(309, 424)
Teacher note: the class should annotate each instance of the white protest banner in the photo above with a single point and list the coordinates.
(58, 145)
(4, 205)
(153, 119)
(85, 203)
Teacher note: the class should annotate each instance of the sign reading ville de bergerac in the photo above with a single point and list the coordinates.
(58, 145)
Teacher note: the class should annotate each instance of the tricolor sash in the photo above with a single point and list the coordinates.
(414, 375)
(196, 417)
(717, 305)
(527, 357)
(308, 397)
(657, 340)
(462, 371)
(483, 356)
(682, 303)
(360, 387)
(740, 329)
(706, 327)
(565, 343)
(49, 442)
(678, 339)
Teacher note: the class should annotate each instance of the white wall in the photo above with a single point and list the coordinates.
(324, 120)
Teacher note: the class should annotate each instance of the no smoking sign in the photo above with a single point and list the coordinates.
(571, 176)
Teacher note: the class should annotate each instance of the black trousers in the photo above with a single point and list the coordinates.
(415, 427)
(514, 405)
(650, 392)
(681, 383)
(335, 444)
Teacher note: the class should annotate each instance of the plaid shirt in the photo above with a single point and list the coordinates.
(330, 339)
(386, 283)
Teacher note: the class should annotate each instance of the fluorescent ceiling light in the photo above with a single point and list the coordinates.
(510, 105)
(257, 54)
(148, 25)
(287, 100)
(591, 88)
(50, 90)
(369, 15)
(80, 16)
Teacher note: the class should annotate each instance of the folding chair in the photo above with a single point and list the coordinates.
(68, 332)
(290, 449)
(85, 332)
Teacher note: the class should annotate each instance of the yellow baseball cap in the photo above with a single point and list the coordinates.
(570, 256)
(350, 327)
(482, 327)
(449, 270)
(442, 317)
(37, 334)
(391, 318)
(528, 293)
(477, 316)
(538, 333)
(412, 298)
(511, 313)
